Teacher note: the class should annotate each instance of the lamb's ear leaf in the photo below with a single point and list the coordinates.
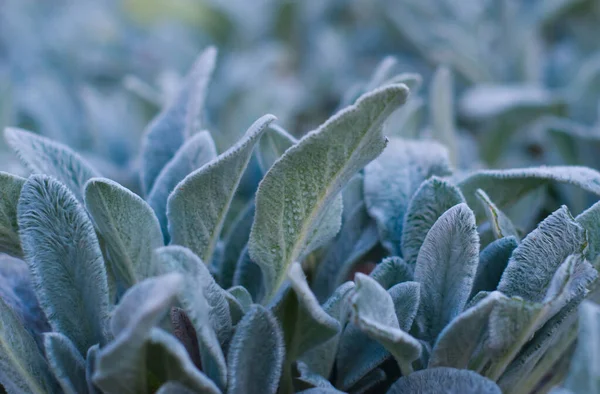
(458, 340)
(169, 129)
(257, 333)
(249, 275)
(392, 179)
(493, 260)
(272, 145)
(374, 313)
(507, 186)
(446, 267)
(454, 381)
(128, 227)
(538, 256)
(434, 197)
(173, 387)
(184, 330)
(121, 364)
(197, 207)
(391, 271)
(44, 156)
(10, 190)
(371, 380)
(24, 369)
(501, 224)
(234, 243)
(242, 295)
(67, 267)
(236, 308)
(90, 368)
(406, 297)
(590, 220)
(66, 362)
(295, 197)
(196, 152)
(441, 104)
(307, 377)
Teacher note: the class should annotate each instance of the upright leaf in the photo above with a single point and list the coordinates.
(453, 381)
(392, 179)
(196, 152)
(294, 199)
(501, 224)
(234, 243)
(446, 267)
(44, 156)
(128, 227)
(590, 220)
(492, 263)
(176, 122)
(272, 145)
(441, 106)
(68, 270)
(197, 207)
(10, 190)
(66, 362)
(256, 354)
(391, 271)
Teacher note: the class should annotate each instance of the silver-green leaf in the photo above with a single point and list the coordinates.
(66, 362)
(10, 190)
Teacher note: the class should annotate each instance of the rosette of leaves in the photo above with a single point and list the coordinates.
(109, 291)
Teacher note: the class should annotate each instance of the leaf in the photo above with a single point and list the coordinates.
(256, 354)
(10, 190)
(441, 104)
(370, 381)
(197, 207)
(492, 263)
(406, 297)
(272, 145)
(121, 365)
(67, 267)
(590, 220)
(90, 368)
(536, 259)
(128, 227)
(173, 387)
(446, 267)
(44, 156)
(234, 243)
(392, 179)
(294, 198)
(458, 340)
(184, 330)
(249, 276)
(241, 294)
(454, 381)
(391, 271)
(507, 186)
(309, 378)
(22, 365)
(434, 197)
(352, 196)
(176, 122)
(66, 362)
(501, 224)
(193, 154)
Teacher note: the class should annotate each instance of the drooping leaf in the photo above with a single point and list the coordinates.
(234, 243)
(197, 207)
(128, 227)
(67, 267)
(492, 263)
(392, 179)
(536, 259)
(501, 224)
(256, 354)
(446, 268)
(434, 197)
(272, 145)
(295, 198)
(10, 190)
(453, 381)
(44, 156)
(66, 362)
(441, 104)
(391, 271)
(22, 365)
(196, 152)
(590, 220)
(177, 121)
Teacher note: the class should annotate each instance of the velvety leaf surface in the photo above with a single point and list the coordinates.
(590, 220)
(272, 145)
(391, 271)
(66, 362)
(501, 224)
(234, 243)
(492, 263)
(454, 381)
(10, 190)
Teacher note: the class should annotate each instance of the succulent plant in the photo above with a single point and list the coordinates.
(361, 263)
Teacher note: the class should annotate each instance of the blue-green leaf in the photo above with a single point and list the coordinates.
(500, 223)
(234, 243)
(453, 381)
(391, 271)
(68, 270)
(249, 276)
(492, 263)
(173, 387)
(441, 104)
(90, 368)
(294, 200)
(197, 207)
(10, 190)
(66, 362)
(272, 145)
(590, 220)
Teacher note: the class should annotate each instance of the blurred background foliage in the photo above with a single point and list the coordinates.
(505, 83)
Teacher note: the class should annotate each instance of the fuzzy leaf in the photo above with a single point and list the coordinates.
(406, 297)
(90, 368)
(434, 197)
(536, 259)
(492, 263)
(184, 330)
(197, 207)
(249, 276)
(10, 190)
(441, 104)
(446, 267)
(22, 365)
(256, 354)
(585, 369)
(66, 362)
(295, 197)
(272, 145)
(67, 267)
(391, 271)
(368, 383)
(174, 388)
(176, 122)
(590, 220)
(44, 156)
(196, 152)
(392, 179)
(128, 227)
(453, 381)
(501, 224)
(234, 243)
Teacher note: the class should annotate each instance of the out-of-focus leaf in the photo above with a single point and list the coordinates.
(453, 381)
(272, 146)
(441, 104)
(500, 223)
(10, 190)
